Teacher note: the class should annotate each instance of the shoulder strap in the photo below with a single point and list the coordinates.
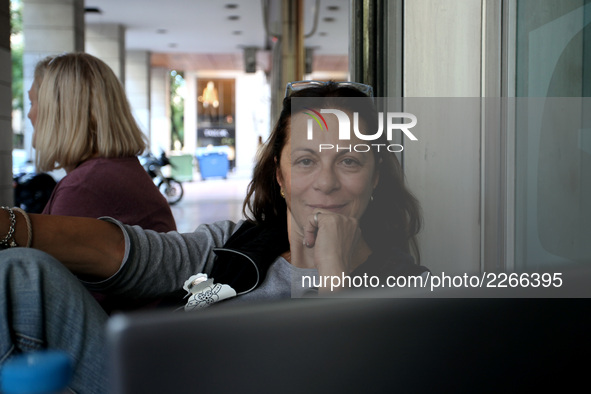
(243, 261)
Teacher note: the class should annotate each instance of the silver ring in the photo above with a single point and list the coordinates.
(316, 218)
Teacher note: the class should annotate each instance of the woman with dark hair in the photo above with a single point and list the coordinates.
(388, 219)
(312, 213)
(393, 217)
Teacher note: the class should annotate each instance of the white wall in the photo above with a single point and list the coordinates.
(50, 27)
(253, 98)
(137, 87)
(190, 114)
(160, 110)
(442, 57)
(107, 42)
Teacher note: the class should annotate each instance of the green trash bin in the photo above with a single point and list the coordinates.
(181, 167)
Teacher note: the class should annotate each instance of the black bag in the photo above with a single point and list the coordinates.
(32, 191)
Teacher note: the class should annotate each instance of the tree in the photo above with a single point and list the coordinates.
(177, 108)
(16, 49)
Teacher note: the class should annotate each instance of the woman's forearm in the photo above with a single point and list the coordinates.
(90, 248)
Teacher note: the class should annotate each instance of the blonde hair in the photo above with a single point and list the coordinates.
(40, 69)
(82, 112)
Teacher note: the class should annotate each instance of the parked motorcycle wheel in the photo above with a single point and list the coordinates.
(172, 190)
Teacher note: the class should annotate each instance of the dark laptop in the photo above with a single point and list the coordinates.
(350, 346)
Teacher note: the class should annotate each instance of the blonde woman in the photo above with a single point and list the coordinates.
(83, 124)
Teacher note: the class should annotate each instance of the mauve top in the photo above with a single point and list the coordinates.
(116, 187)
(119, 188)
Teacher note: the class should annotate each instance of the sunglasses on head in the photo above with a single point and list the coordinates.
(301, 85)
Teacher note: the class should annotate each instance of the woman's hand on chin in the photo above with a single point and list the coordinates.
(335, 240)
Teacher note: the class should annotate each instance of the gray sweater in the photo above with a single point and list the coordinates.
(157, 264)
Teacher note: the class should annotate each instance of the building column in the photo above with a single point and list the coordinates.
(6, 193)
(289, 54)
(376, 42)
(252, 93)
(137, 87)
(160, 110)
(190, 114)
(107, 42)
(50, 27)
(442, 58)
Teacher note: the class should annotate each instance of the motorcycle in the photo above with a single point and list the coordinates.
(168, 186)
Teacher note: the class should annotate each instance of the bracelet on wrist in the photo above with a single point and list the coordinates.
(8, 241)
(29, 226)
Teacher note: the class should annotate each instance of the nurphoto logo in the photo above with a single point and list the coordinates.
(392, 123)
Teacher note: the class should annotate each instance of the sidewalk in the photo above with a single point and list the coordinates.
(210, 201)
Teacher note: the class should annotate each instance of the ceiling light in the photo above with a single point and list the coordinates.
(237, 32)
(234, 17)
(161, 31)
(333, 8)
(231, 6)
(329, 19)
